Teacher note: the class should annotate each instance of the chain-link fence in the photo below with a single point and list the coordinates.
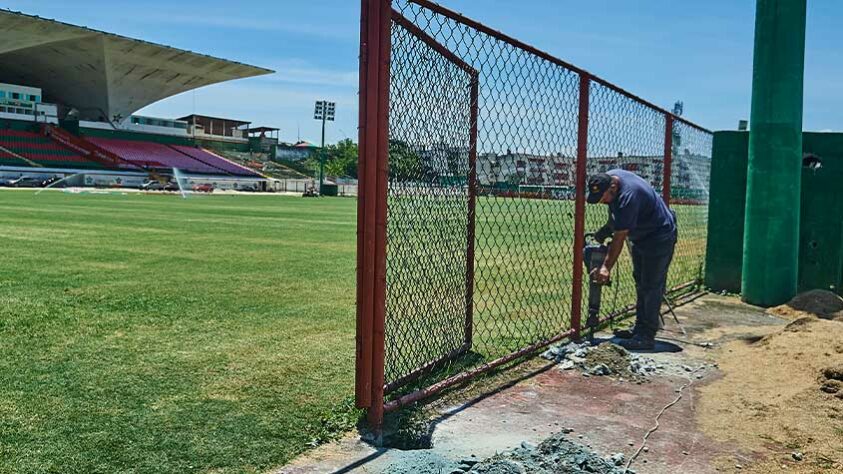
(473, 207)
(690, 171)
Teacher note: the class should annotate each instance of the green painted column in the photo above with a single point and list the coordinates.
(771, 238)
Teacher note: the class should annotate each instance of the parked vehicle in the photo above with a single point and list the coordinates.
(152, 185)
(25, 182)
(155, 185)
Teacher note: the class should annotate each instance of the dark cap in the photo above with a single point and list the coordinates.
(597, 186)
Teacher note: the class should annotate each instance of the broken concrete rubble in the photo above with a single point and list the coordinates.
(555, 454)
(608, 359)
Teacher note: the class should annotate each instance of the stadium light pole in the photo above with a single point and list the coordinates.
(324, 112)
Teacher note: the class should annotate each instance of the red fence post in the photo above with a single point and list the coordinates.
(377, 148)
(579, 204)
(668, 157)
(363, 354)
(472, 203)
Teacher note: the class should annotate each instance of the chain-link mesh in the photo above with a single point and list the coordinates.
(522, 250)
(624, 134)
(689, 181)
(427, 208)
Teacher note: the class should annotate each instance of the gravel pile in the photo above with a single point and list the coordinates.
(555, 454)
(608, 359)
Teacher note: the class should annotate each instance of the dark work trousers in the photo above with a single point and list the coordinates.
(649, 268)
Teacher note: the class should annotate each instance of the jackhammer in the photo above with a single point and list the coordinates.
(594, 255)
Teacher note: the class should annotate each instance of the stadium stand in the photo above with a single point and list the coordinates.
(41, 150)
(88, 124)
(153, 155)
(11, 160)
(214, 160)
(85, 148)
(48, 149)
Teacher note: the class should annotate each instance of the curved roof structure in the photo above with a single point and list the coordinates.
(102, 75)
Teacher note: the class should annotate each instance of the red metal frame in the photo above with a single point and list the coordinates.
(414, 30)
(372, 173)
(363, 363)
(472, 192)
(426, 369)
(472, 206)
(462, 377)
(668, 158)
(380, 28)
(579, 203)
(474, 98)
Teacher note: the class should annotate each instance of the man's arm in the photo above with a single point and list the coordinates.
(604, 232)
(602, 274)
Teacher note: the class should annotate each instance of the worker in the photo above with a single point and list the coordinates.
(639, 215)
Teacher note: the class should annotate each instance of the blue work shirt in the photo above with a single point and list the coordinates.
(639, 209)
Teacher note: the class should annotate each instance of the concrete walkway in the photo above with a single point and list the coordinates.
(607, 415)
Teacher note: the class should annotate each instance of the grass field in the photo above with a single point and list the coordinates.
(153, 334)
(149, 333)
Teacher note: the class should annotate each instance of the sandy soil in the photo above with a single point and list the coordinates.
(770, 400)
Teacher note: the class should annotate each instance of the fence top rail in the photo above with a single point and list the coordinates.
(459, 18)
(428, 40)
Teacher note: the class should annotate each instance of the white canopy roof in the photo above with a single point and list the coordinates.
(103, 75)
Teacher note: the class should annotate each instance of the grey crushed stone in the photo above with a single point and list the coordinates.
(572, 356)
(555, 454)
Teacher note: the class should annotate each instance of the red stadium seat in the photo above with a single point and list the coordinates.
(41, 150)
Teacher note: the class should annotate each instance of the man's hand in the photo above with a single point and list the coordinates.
(601, 275)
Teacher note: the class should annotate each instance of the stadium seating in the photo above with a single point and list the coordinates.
(47, 152)
(10, 160)
(41, 150)
(214, 160)
(153, 155)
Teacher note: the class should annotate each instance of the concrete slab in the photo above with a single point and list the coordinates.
(607, 415)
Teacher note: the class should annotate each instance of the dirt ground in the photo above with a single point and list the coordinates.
(770, 397)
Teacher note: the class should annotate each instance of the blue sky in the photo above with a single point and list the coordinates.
(663, 50)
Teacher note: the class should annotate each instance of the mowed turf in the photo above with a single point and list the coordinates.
(154, 334)
(150, 333)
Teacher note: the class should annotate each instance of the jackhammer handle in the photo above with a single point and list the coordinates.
(592, 280)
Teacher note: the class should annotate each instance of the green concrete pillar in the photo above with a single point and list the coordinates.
(726, 206)
(771, 238)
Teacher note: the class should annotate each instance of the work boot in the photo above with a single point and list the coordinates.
(624, 333)
(638, 343)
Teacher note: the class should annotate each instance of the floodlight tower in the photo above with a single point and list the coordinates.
(325, 112)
